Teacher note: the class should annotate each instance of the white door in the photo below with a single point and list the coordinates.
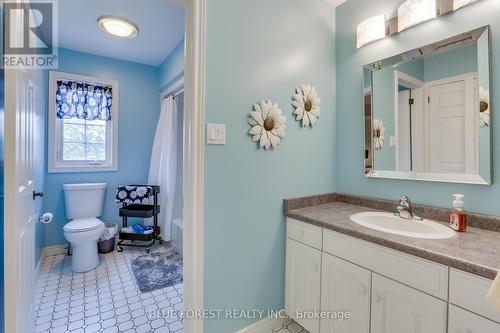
(302, 283)
(397, 309)
(19, 226)
(403, 139)
(462, 321)
(345, 287)
(453, 135)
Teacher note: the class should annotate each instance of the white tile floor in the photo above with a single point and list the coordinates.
(104, 300)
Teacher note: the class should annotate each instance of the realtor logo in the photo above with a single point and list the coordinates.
(30, 35)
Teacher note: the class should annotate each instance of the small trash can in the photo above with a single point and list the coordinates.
(106, 243)
(106, 246)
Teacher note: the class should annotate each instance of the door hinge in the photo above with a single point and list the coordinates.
(411, 101)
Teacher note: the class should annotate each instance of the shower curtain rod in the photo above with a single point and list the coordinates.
(173, 89)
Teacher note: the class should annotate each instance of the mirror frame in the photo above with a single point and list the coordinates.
(465, 38)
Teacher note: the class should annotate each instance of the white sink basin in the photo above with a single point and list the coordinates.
(392, 224)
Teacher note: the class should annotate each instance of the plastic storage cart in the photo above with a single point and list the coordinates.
(138, 201)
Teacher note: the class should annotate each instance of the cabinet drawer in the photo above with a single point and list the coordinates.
(399, 309)
(461, 321)
(418, 273)
(469, 291)
(303, 232)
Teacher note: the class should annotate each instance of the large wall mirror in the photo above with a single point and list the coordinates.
(427, 112)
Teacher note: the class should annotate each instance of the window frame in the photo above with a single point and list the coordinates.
(55, 130)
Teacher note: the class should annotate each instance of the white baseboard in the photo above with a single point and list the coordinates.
(50, 251)
(264, 326)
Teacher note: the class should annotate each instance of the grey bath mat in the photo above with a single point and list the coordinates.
(157, 270)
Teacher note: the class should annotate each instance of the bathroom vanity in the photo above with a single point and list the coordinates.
(388, 283)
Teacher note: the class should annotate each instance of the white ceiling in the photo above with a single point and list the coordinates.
(161, 28)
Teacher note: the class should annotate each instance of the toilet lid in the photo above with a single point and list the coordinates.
(86, 224)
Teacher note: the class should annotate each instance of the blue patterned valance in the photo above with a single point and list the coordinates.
(83, 101)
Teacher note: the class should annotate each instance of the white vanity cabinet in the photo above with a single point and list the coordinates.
(302, 282)
(386, 291)
(397, 308)
(345, 287)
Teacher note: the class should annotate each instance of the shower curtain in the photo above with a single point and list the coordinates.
(162, 169)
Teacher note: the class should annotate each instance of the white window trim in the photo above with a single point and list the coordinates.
(54, 130)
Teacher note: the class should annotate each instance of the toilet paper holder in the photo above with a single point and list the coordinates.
(46, 218)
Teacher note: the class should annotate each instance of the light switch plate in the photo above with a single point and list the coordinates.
(216, 134)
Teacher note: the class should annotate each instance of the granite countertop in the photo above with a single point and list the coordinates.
(476, 251)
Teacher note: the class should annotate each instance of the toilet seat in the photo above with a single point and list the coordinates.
(86, 224)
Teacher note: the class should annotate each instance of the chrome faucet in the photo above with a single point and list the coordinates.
(404, 209)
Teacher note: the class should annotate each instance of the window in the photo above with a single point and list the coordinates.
(83, 123)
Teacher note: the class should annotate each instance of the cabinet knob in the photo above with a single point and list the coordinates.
(377, 297)
(363, 290)
(301, 232)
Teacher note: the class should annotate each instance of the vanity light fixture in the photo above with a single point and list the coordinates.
(117, 26)
(410, 13)
(370, 30)
(413, 12)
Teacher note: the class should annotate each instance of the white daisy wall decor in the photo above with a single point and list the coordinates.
(306, 103)
(484, 107)
(268, 124)
(378, 133)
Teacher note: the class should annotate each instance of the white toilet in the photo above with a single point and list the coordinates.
(84, 204)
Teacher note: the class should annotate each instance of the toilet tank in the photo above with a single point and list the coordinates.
(84, 200)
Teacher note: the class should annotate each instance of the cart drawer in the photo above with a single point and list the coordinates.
(139, 237)
(141, 211)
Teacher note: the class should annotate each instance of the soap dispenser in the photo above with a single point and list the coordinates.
(458, 217)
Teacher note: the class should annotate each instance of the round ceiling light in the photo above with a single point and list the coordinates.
(117, 26)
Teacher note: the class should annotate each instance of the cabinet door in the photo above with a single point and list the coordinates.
(397, 308)
(302, 283)
(345, 287)
(462, 321)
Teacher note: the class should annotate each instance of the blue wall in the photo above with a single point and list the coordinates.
(138, 115)
(172, 68)
(349, 116)
(260, 49)
(450, 63)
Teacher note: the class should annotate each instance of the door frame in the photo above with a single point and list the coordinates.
(194, 153)
(412, 83)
